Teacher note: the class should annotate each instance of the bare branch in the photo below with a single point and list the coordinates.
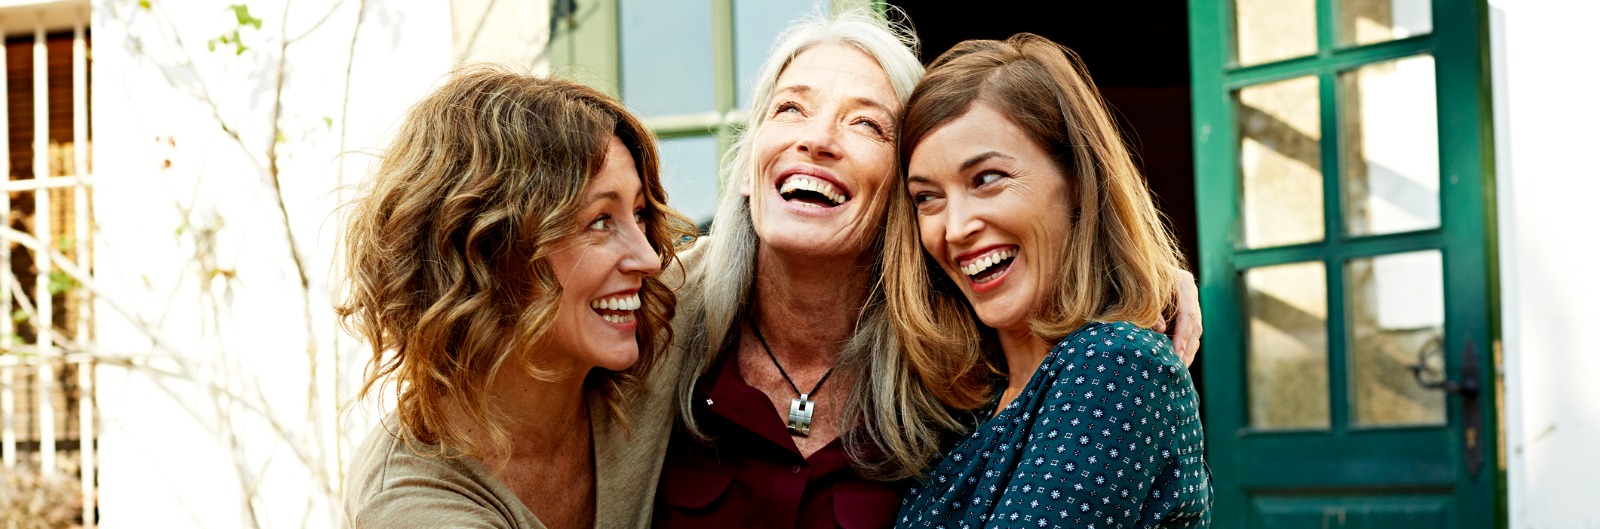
(325, 16)
(165, 21)
(344, 117)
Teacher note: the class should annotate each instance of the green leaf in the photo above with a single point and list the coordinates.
(61, 282)
(242, 13)
(241, 49)
(327, 122)
(19, 315)
(67, 244)
(211, 45)
(144, 4)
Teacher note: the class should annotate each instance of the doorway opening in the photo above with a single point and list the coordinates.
(1138, 55)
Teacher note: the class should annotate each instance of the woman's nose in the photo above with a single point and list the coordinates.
(640, 258)
(962, 221)
(819, 139)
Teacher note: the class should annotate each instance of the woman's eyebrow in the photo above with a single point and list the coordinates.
(980, 158)
(603, 195)
(793, 89)
(873, 103)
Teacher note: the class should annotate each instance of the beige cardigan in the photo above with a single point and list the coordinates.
(389, 485)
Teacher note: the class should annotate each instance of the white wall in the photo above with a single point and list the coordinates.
(512, 33)
(1546, 112)
(171, 453)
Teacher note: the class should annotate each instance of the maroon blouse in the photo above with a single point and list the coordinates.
(752, 475)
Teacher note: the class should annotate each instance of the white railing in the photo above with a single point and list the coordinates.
(44, 355)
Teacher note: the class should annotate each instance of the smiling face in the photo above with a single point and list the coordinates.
(992, 210)
(824, 155)
(601, 270)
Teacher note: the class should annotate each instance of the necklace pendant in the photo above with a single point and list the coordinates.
(800, 415)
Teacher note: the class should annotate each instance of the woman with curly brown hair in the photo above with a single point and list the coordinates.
(501, 265)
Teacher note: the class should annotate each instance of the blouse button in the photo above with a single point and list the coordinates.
(795, 470)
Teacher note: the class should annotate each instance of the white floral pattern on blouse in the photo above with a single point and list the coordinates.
(1106, 435)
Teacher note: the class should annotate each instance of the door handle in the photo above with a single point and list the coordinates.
(1467, 388)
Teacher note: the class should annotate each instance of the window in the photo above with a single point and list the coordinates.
(46, 380)
(686, 69)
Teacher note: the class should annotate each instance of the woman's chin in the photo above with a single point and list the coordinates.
(619, 360)
(1004, 320)
(800, 242)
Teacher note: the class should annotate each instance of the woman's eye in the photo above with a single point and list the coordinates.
(786, 107)
(639, 216)
(871, 124)
(601, 223)
(986, 178)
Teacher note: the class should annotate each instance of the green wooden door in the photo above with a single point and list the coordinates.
(1343, 189)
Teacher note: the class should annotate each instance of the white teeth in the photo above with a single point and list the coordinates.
(977, 266)
(625, 318)
(795, 183)
(630, 302)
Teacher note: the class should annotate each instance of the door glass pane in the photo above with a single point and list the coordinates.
(689, 172)
(1280, 162)
(1391, 147)
(666, 57)
(1396, 320)
(1270, 30)
(756, 24)
(1288, 346)
(1369, 21)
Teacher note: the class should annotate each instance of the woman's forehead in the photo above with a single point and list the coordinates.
(837, 70)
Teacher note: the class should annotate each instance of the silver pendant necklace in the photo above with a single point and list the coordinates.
(799, 409)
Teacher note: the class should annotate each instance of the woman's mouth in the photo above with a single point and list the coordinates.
(617, 309)
(990, 265)
(811, 192)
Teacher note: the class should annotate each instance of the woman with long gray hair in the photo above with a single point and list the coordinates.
(796, 405)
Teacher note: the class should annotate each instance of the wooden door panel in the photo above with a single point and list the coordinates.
(1315, 317)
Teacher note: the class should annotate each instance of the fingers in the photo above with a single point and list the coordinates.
(1186, 341)
(1191, 346)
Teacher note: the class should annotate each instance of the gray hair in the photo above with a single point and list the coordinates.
(893, 426)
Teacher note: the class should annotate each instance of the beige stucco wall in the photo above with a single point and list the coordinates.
(506, 32)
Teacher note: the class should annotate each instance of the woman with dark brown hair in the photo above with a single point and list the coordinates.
(501, 266)
(1041, 267)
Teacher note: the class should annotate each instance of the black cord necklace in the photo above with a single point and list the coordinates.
(799, 409)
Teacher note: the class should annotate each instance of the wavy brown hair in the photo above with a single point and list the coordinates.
(446, 250)
(1118, 256)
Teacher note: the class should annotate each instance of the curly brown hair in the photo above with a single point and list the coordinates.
(446, 250)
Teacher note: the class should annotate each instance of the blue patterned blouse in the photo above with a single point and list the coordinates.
(1105, 435)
